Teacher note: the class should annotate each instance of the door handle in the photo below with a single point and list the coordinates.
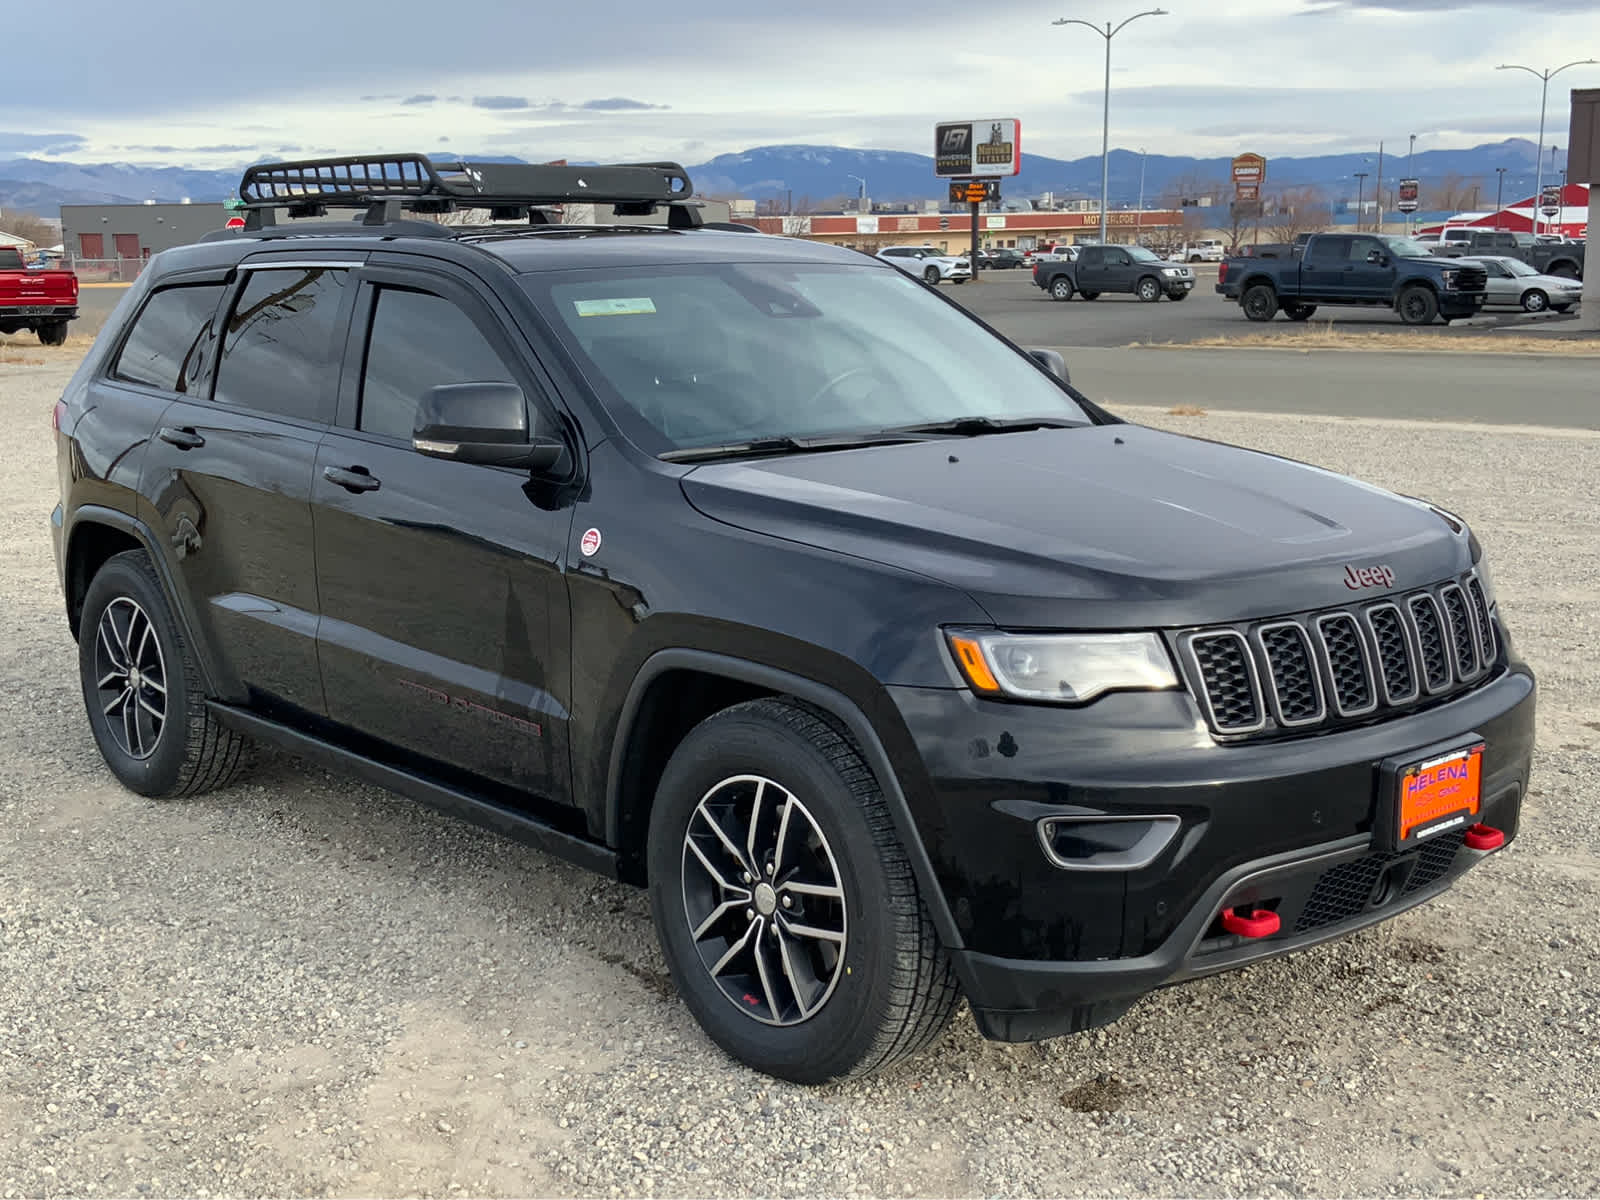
(183, 439)
(352, 479)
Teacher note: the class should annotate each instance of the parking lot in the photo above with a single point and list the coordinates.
(304, 985)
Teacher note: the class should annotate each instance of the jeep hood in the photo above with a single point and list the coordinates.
(1096, 527)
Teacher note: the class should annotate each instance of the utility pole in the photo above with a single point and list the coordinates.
(1411, 173)
(1138, 227)
(1499, 191)
(1361, 180)
(1108, 33)
(1377, 192)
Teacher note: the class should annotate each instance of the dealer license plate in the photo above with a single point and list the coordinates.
(1438, 795)
(30, 310)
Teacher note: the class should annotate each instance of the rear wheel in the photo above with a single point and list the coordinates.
(53, 333)
(1178, 296)
(1299, 312)
(1418, 306)
(1090, 295)
(1565, 270)
(1148, 289)
(1533, 300)
(931, 276)
(142, 688)
(1260, 302)
(1061, 288)
(785, 905)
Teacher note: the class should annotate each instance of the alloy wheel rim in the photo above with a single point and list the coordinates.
(1535, 302)
(763, 900)
(130, 677)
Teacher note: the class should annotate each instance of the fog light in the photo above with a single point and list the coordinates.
(1106, 843)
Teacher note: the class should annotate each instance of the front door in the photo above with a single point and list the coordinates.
(444, 627)
(229, 475)
(1372, 269)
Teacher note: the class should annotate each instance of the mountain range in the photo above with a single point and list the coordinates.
(820, 175)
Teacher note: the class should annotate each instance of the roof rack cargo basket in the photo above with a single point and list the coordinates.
(388, 184)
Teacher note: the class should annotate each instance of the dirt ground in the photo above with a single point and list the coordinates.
(302, 985)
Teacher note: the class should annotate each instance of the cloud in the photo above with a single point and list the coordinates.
(40, 143)
(1435, 6)
(619, 104)
(499, 102)
(420, 98)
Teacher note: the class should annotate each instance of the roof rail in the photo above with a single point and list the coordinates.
(386, 185)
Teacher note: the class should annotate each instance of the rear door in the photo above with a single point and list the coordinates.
(1090, 269)
(229, 476)
(444, 604)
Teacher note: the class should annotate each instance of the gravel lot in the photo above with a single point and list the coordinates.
(305, 986)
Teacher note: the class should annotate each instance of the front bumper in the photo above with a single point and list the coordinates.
(1461, 304)
(1288, 824)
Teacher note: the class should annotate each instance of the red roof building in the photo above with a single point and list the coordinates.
(1572, 221)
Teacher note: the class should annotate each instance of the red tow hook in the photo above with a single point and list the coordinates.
(1261, 922)
(1484, 837)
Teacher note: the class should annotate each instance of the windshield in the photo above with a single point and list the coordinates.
(1141, 254)
(704, 354)
(1404, 247)
(1517, 267)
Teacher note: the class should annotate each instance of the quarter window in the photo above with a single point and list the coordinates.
(170, 338)
(419, 341)
(281, 348)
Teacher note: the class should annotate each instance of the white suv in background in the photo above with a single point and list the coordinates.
(928, 264)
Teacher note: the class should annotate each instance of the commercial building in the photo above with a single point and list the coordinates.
(1571, 219)
(953, 231)
(112, 241)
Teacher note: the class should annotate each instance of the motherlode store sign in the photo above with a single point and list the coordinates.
(968, 149)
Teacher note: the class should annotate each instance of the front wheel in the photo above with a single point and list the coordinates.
(958, 281)
(786, 907)
(1533, 300)
(1260, 302)
(1561, 308)
(931, 277)
(1418, 306)
(1299, 312)
(142, 688)
(1178, 296)
(1061, 288)
(1148, 289)
(1090, 295)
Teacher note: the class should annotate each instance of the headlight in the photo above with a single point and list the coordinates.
(1450, 279)
(1065, 668)
(1171, 271)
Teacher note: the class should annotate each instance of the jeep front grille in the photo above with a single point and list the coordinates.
(1342, 665)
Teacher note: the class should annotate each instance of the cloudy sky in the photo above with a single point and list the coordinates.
(179, 82)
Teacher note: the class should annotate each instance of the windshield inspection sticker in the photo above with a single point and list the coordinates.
(620, 306)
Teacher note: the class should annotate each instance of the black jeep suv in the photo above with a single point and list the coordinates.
(755, 572)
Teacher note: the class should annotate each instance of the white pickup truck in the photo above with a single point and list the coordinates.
(1205, 250)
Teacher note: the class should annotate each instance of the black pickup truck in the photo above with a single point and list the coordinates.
(1355, 269)
(1548, 258)
(1099, 269)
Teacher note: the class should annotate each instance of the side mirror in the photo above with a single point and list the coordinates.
(1378, 258)
(484, 423)
(1051, 361)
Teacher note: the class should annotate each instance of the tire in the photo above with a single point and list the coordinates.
(887, 995)
(1148, 289)
(1175, 296)
(1565, 270)
(181, 751)
(1090, 295)
(1299, 312)
(53, 333)
(931, 277)
(1194, 258)
(1417, 306)
(1061, 288)
(1260, 302)
(958, 281)
(1534, 300)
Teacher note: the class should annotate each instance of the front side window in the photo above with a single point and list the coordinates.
(704, 354)
(166, 348)
(281, 347)
(419, 341)
(1143, 254)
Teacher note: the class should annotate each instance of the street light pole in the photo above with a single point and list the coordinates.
(1138, 228)
(1546, 76)
(1108, 33)
(1499, 192)
(861, 191)
(1411, 173)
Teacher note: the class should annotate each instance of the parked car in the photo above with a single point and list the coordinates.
(38, 301)
(1514, 284)
(1548, 258)
(745, 570)
(1000, 259)
(1204, 250)
(1099, 269)
(928, 264)
(1058, 252)
(1369, 270)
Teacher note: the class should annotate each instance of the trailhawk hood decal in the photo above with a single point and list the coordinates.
(1102, 527)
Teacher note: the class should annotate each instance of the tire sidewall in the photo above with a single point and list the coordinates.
(830, 1043)
(931, 276)
(158, 773)
(1148, 289)
(1534, 300)
(1061, 288)
(1429, 307)
(1269, 309)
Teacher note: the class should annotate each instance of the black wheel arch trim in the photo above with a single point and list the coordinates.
(113, 518)
(831, 702)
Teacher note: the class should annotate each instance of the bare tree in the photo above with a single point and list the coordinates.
(30, 228)
(1294, 211)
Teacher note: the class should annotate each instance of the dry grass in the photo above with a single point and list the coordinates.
(1186, 410)
(1330, 337)
(24, 350)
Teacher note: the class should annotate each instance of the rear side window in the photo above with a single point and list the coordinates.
(281, 347)
(170, 338)
(417, 342)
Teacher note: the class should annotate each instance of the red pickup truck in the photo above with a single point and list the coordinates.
(41, 301)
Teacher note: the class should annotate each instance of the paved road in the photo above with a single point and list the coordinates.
(1009, 301)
